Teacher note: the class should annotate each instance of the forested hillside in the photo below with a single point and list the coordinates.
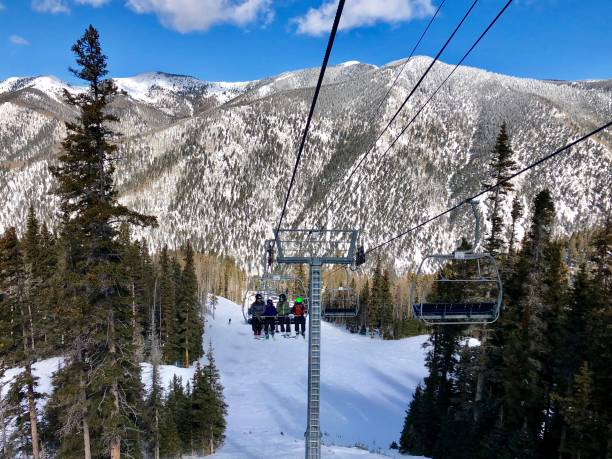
(211, 160)
(538, 386)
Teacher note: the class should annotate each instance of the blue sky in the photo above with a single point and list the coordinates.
(236, 40)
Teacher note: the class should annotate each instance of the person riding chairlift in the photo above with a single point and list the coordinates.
(269, 319)
(299, 312)
(257, 310)
(284, 310)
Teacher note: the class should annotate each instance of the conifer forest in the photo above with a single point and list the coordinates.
(406, 260)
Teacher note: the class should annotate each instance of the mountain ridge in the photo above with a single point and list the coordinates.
(213, 161)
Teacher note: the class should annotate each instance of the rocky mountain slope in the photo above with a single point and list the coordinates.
(213, 160)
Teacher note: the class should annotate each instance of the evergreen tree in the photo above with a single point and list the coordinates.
(364, 305)
(386, 306)
(547, 368)
(581, 416)
(217, 409)
(502, 166)
(18, 282)
(201, 398)
(173, 349)
(189, 321)
(50, 288)
(106, 372)
(176, 423)
(11, 300)
(6, 449)
(33, 279)
(167, 306)
(516, 214)
(154, 403)
(599, 332)
(412, 439)
(375, 304)
(531, 326)
(21, 401)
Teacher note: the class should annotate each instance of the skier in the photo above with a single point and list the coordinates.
(298, 312)
(269, 318)
(256, 310)
(284, 310)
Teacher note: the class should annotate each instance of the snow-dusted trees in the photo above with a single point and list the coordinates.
(21, 279)
(69, 420)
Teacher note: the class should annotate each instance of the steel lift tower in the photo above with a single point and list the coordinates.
(315, 248)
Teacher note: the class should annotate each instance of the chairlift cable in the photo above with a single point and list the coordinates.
(401, 107)
(465, 56)
(448, 76)
(330, 45)
(403, 67)
(492, 187)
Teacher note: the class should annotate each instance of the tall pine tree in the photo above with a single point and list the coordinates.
(189, 321)
(502, 165)
(102, 356)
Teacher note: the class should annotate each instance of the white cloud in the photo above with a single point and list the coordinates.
(50, 6)
(2, 7)
(17, 40)
(361, 13)
(190, 15)
(94, 3)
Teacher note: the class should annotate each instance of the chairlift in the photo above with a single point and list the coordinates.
(270, 287)
(340, 302)
(468, 281)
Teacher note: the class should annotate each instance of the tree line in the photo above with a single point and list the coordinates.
(383, 299)
(538, 385)
(97, 299)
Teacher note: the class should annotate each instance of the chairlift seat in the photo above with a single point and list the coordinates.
(341, 312)
(342, 302)
(462, 312)
(442, 311)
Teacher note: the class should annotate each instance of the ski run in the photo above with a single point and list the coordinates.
(366, 386)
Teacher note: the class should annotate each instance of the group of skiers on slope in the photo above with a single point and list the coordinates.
(264, 315)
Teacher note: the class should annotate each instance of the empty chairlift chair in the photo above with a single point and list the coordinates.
(340, 302)
(466, 287)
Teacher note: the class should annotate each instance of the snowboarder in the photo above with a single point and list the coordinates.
(284, 310)
(257, 310)
(298, 312)
(269, 318)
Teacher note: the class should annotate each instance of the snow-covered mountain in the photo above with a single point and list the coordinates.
(213, 160)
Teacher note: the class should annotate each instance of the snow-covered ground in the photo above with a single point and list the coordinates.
(366, 387)
(365, 390)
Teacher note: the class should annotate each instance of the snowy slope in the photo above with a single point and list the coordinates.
(366, 387)
(177, 95)
(212, 160)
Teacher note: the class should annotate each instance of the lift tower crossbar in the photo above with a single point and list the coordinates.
(315, 248)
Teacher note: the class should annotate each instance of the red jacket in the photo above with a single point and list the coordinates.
(298, 310)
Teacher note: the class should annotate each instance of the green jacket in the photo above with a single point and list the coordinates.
(283, 308)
